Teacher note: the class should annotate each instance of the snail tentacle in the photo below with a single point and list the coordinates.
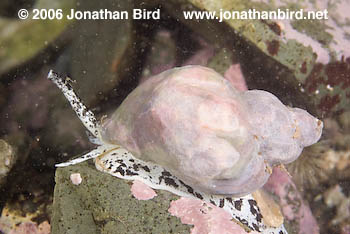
(100, 150)
(86, 116)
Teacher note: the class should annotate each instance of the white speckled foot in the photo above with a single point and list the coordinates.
(122, 164)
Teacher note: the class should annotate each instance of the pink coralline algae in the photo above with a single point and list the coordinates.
(32, 228)
(215, 138)
(205, 217)
(235, 77)
(293, 206)
(142, 191)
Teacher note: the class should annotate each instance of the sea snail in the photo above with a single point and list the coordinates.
(194, 123)
(190, 132)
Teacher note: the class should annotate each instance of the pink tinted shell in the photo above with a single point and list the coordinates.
(194, 123)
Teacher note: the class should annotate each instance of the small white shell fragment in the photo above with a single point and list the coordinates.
(76, 178)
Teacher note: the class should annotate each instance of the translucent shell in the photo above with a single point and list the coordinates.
(195, 124)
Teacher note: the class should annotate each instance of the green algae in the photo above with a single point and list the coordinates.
(260, 34)
(221, 61)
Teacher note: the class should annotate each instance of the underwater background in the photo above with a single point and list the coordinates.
(305, 63)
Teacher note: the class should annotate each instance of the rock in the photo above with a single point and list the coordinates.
(14, 221)
(334, 197)
(103, 51)
(103, 204)
(344, 121)
(19, 45)
(161, 56)
(7, 160)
